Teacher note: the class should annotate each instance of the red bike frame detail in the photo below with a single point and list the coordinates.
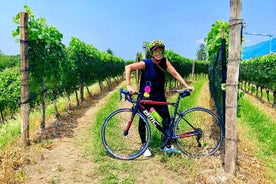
(187, 134)
(151, 102)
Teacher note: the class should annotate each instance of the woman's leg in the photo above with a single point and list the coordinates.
(164, 113)
(142, 130)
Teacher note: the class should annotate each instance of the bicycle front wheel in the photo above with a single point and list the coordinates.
(199, 132)
(117, 142)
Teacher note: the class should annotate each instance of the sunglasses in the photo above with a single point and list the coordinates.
(155, 52)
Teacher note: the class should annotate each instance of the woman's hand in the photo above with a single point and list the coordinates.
(191, 88)
(130, 89)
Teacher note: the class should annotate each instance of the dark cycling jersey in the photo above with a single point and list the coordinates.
(154, 77)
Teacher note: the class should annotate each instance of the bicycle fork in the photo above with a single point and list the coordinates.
(128, 126)
(148, 115)
(134, 111)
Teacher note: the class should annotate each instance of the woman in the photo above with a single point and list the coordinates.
(153, 85)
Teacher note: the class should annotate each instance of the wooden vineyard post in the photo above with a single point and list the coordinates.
(193, 70)
(144, 51)
(235, 24)
(137, 71)
(25, 107)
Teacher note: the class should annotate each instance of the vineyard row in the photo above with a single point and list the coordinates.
(55, 70)
(261, 73)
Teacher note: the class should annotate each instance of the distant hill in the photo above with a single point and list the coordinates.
(260, 49)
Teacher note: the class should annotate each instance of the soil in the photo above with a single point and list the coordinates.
(63, 159)
(59, 155)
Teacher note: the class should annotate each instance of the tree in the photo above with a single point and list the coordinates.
(201, 53)
(109, 51)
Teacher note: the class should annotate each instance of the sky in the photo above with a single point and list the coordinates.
(123, 25)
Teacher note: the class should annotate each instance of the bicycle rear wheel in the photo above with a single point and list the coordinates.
(207, 127)
(119, 145)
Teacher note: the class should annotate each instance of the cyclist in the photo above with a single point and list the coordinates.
(152, 84)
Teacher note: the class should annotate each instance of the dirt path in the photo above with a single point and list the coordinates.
(267, 109)
(63, 160)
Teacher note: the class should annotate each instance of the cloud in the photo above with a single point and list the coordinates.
(200, 41)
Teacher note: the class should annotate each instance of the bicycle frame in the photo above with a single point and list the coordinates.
(199, 126)
(139, 106)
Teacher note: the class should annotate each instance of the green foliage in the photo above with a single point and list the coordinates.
(9, 61)
(45, 52)
(9, 90)
(90, 64)
(84, 59)
(213, 39)
(184, 65)
(54, 68)
(260, 71)
(129, 62)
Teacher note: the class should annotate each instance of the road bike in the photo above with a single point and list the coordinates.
(197, 131)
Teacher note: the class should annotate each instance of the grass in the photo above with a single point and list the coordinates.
(10, 131)
(257, 125)
(12, 153)
(110, 168)
(260, 129)
(117, 171)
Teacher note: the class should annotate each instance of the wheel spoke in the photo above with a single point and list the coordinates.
(117, 143)
(205, 128)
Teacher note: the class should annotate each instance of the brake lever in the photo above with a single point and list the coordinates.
(121, 94)
(124, 92)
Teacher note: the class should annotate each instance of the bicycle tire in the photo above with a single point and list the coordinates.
(205, 120)
(118, 145)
